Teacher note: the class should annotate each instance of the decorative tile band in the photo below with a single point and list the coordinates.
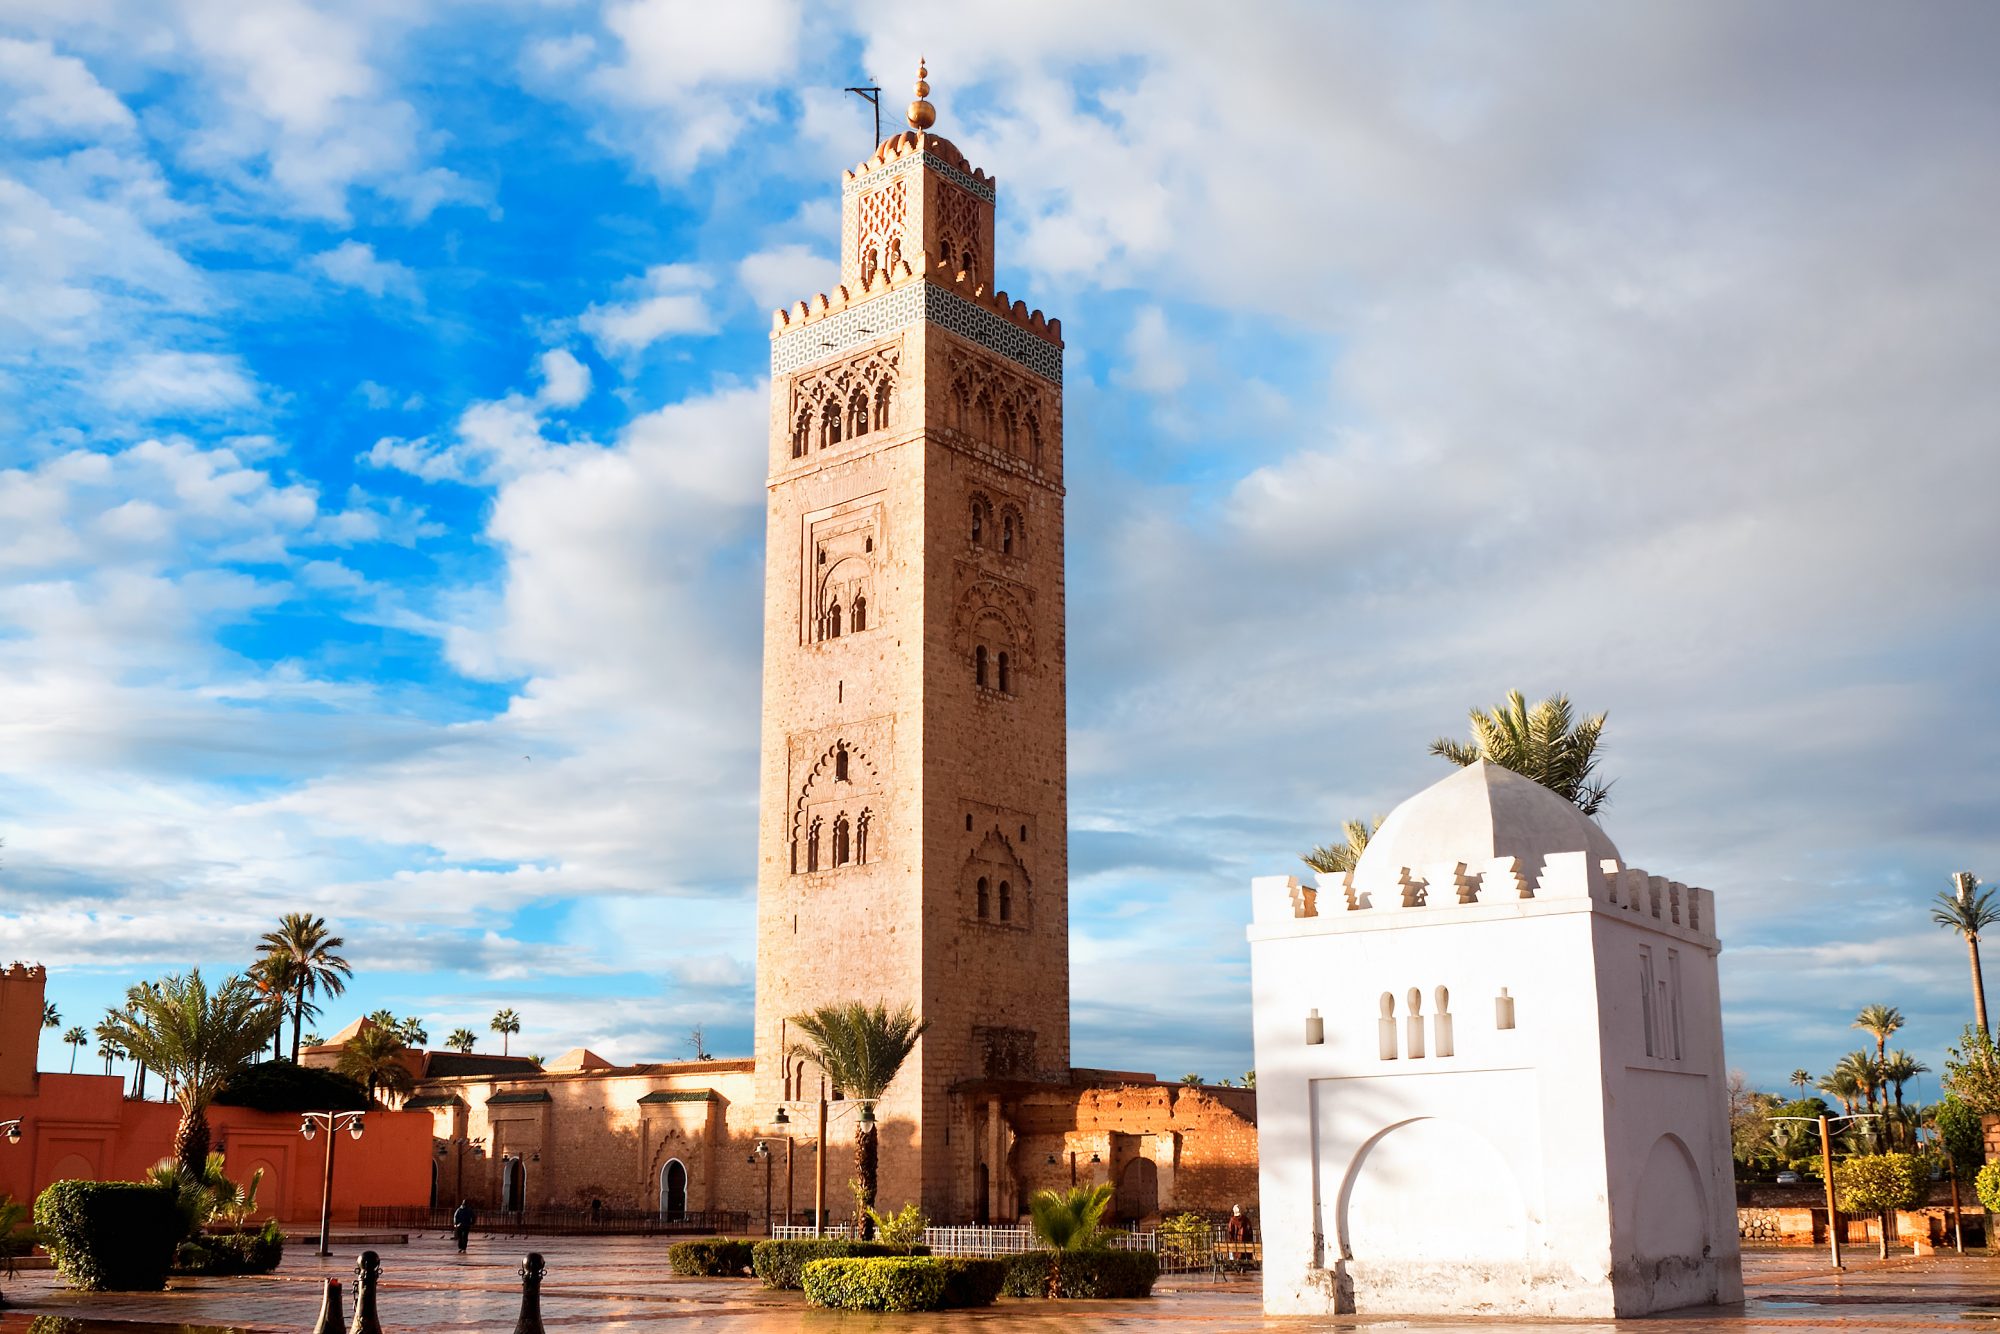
(839, 333)
(970, 184)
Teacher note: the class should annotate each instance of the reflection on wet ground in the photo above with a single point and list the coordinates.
(622, 1283)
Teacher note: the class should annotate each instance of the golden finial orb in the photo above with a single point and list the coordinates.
(922, 114)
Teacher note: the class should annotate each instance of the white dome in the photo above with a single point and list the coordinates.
(1479, 813)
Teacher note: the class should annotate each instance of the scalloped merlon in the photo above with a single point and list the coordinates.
(898, 146)
(802, 313)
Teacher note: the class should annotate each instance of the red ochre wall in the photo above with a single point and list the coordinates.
(83, 1126)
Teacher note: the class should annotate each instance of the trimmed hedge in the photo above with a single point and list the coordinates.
(710, 1257)
(781, 1264)
(1083, 1273)
(911, 1283)
(113, 1236)
(216, 1253)
(972, 1282)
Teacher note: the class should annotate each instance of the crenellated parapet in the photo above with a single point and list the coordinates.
(844, 296)
(26, 972)
(912, 150)
(1566, 877)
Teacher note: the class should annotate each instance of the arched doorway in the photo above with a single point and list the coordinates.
(513, 1184)
(674, 1189)
(1138, 1193)
(434, 1183)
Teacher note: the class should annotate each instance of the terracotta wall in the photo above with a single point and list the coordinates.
(82, 1126)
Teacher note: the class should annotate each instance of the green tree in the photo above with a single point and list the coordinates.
(860, 1047)
(1972, 1071)
(271, 975)
(1898, 1069)
(303, 957)
(1958, 1126)
(1545, 742)
(506, 1023)
(1801, 1080)
(77, 1040)
(1879, 1022)
(413, 1032)
(1339, 858)
(1842, 1087)
(1861, 1067)
(1068, 1223)
(1875, 1183)
(1191, 1080)
(373, 1058)
(51, 1016)
(461, 1039)
(1249, 1079)
(196, 1038)
(1969, 910)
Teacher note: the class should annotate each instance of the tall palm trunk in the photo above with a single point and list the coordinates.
(1978, 983)
(866, 1160)
(298, 1017)
(191, 1141)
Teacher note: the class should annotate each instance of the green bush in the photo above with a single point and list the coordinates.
(1987, 1187)
(115, 1236)
(280, 1086)
(1872, 1183)
(882, 1284)
(253, 1252)
(781, 1264)
(972, 1282)
(710, 1257)
(1082, 1274)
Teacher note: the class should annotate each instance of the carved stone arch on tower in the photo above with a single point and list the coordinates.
(847, 580)
(994, 886)
(825, 799)
(991, 610)
(1012, 535)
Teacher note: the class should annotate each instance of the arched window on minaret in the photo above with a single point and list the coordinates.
(829, 425)
(966, 263)
(983, 423)
(860, 618)
(861, 837)
(1006, 901)
(979, 665)
(802, 433)
(961, 405)
(982, 898)
(1007, 535)
(1004, 682)
(868, 266)
(978, 523)
(895, 254)
(1008, 429)
(812, 845)
(833, 621)
(883, 393)
(857, 410)
(840, 840)
(840, 763)
(1034, 425)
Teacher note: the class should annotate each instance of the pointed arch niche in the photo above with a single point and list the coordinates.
(835, 817)
(993, 884)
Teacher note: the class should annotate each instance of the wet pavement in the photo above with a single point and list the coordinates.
(622, 1283)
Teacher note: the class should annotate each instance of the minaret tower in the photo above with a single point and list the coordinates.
(912, 842)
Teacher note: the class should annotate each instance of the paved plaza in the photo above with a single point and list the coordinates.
(622, 1283)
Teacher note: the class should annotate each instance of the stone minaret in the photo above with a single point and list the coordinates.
(914, 809)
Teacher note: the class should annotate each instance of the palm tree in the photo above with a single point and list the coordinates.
(374, 1059)
(1339, 858)
(1068, 1223)
(1801, 1080)
(1840, 1085)
(107, 1045)
(309, 964)
(77, 1040)
(1880, 1021)
(506, 1024)
(51, 1016)
(1249, 1079)
(1899, 1069)
(271, 975)
(1545, 743)
(383, 1018)
(413, 1032)
(461, 1039)
(1969, 910)
(1191, 1079)
(860, 1047)
(196, 1038)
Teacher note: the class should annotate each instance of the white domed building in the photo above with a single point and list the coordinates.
(1490, 1074)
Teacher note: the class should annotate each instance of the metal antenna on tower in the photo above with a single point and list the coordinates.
(871, 94)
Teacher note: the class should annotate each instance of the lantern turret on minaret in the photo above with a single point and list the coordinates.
(914, 801)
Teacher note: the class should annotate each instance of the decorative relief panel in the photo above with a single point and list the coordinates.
(998, 407)
(993, 884)
(905, 165)
(841, 332)
(846, 401)
(952, 237)
(996, 614)
(839, 561)
(881, 218)
(836, 818)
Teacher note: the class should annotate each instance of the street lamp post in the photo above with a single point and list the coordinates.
(309, 1126)
(1826, 1168)
(762, 1154)
(783, 1118)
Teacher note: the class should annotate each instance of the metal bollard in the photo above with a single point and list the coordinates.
(532, 1270)
(367, 1272)
(329, 1310)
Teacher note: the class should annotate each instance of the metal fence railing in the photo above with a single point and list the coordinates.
(562, 1222)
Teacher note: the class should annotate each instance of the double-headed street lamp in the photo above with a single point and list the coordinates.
(309, 1126)
(783, 1118)
(1826, 1166)
(12, 1130)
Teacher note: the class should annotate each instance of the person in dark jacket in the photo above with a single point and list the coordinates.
(461, 1223)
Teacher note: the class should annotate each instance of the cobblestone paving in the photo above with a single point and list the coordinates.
(622, 1283)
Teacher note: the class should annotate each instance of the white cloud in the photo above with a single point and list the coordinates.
(1155, 361)
(167, 383)
(786, 273)
(51, 94)
(668, 303)
(355, 264)
(565, 380)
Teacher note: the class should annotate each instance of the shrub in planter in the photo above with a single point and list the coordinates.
(907, 1283)
(972, 1282)
(115, 1236)
(253, 1252)
(1082, 1274)
(710, 1257)
(781, 1264)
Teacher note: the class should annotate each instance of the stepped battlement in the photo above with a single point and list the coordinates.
(845, 296)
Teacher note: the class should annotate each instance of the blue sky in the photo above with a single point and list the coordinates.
(381, 452)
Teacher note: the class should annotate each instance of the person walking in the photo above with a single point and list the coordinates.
(461, 1224)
